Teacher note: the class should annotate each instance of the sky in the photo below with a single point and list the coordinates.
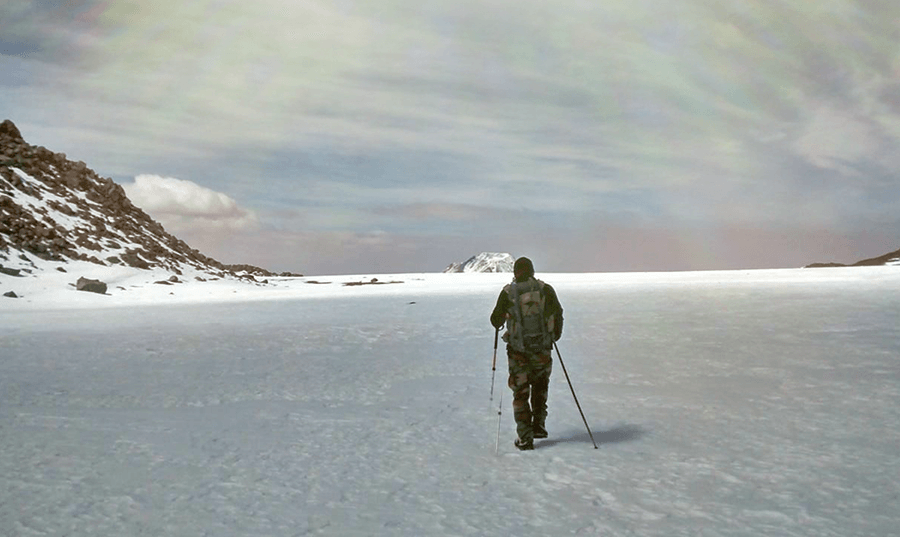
(344, 137)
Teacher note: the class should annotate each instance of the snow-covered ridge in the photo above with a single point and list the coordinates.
(55, 210)
(484, 262)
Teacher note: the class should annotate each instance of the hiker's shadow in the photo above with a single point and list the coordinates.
(619, 433)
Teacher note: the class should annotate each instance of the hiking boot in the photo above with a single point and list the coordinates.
(539, 431)
(524, 445)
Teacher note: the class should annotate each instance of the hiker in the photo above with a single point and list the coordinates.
(534, 321)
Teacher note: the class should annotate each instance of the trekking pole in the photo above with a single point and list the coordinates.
(499, 415)
(494, 363)
(573, 395)
(500, 406)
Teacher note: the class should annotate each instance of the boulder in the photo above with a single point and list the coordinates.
(93, 286)
(11, 294)
(10, 271)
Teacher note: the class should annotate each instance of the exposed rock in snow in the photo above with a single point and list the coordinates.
(484, 262)
(93, 286)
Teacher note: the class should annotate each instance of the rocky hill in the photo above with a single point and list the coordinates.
(891, 258)
(484, 262)
(55, 209)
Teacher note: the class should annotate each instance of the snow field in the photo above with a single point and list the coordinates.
(723, 404)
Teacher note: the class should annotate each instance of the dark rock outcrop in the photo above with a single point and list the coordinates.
(825, 265)
(9, 129)
(890, 258)
(10, 271)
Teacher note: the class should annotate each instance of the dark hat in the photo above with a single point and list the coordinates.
(523, 268)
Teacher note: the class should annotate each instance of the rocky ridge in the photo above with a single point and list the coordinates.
(56, 209)
(890, 258)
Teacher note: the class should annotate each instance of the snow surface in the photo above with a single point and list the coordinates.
(724, 403)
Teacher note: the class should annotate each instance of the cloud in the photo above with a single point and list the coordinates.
(184, 205)
(439, 120)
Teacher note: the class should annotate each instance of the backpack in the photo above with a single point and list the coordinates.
(528, 329)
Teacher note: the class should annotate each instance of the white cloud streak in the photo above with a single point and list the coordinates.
(184, 205)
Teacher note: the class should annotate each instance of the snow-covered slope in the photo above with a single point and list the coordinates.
(484, 262)
(55, 210)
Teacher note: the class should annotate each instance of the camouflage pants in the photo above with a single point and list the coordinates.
(529, 378)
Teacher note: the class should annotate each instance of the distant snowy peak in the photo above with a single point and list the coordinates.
(484, 262)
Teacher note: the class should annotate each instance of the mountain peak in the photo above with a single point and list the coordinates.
(484, 262)
(9, 129)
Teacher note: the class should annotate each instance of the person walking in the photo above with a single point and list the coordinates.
(534, 320)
